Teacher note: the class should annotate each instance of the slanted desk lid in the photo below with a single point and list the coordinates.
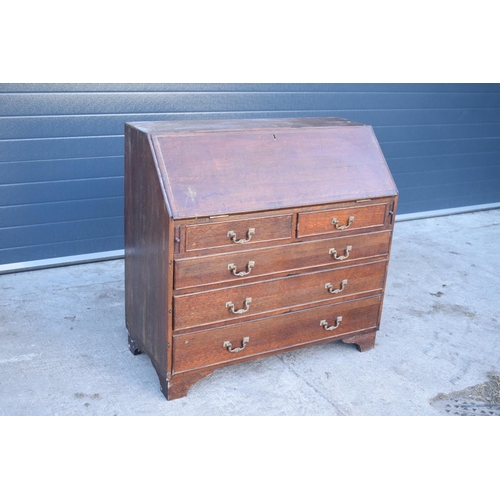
(229, 167)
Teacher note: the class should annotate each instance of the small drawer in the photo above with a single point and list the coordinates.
(238, 267)
(239, 232)
(242, 340)
(342, 220)
(243, 302)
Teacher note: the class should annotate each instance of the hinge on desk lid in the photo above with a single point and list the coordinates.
(177, 239)
(390, 214)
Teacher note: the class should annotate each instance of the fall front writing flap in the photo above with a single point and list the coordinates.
(288, 163)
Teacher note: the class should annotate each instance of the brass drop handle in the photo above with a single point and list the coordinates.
(330, 288)
(247, 303)
(229, 346)
(324, 324)
(232, 235)
(335, 222)
(333, 252)
(250, 266)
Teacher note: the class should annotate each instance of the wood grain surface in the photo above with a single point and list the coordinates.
(277, 295)
(206, 348)
(212, 270)
(237, 171)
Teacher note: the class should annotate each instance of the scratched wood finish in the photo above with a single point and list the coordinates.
(203, 308)
(188, 184)
(241, 171)
(212, 270)
(207, 348)
(215, 234)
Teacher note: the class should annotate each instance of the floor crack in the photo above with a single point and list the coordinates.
(289, 367)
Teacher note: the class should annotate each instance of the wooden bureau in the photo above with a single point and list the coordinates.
(247, 238)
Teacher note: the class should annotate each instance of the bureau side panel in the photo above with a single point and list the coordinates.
(147, 232)
(393, 205)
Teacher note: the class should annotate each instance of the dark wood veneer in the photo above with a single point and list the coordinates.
(201, 349)
(192, 193)
(277, 295)
(213, 269)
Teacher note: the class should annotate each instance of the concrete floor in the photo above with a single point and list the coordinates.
(64, 342)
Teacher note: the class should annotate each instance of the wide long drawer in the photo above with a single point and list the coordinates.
(242, 340)
(239, 303)
(241, 266)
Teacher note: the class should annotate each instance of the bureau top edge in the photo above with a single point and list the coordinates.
(179, 126)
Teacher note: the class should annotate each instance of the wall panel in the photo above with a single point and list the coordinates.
(61, 148)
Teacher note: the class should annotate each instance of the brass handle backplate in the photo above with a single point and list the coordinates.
(229, 346)
(232, 235)
(335, 222)
(324, 324)
(250, 265)
(333, 252)
(330, 288)
(247, 303)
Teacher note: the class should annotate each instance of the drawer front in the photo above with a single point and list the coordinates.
(239, 303)
(238, 232)
(342, 220)
(212, 347)
(238, 267)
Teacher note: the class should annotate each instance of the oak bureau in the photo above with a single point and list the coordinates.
(247, 238)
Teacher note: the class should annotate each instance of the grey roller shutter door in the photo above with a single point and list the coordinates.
(61, 148)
